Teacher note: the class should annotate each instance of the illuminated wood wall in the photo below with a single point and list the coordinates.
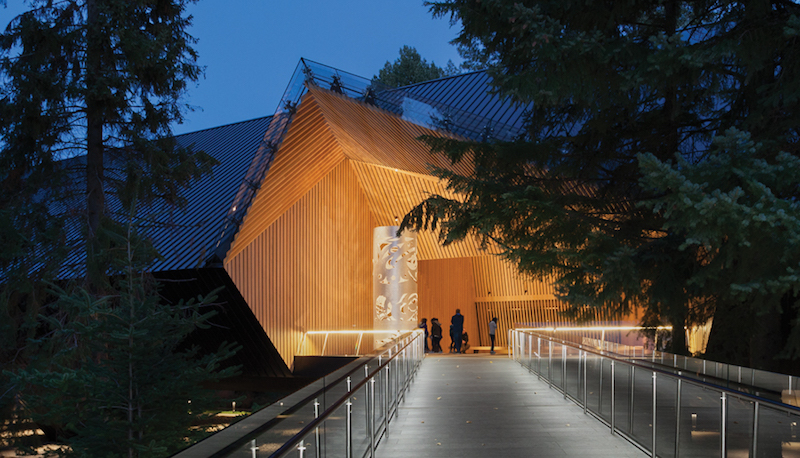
(311, 268)
(444, 286)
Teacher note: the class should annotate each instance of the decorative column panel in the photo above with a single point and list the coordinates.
(394, 281)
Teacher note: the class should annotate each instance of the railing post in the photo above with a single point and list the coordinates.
(564, 369)
(366, 400)
(371, 420)
(316, 430)
(654, 415)
(539, 357)
(678, 418)
(386, 403)
(348, 441)
(600, 391)
(301, 448)
(754, 442)
(396, 383)
(550, 362)
(578, 375)
(530, 353)
(585, 389)
(253, 448)
(633, 390)
(723, 427)
(613, 379)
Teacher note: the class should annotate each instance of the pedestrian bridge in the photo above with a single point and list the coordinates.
(547, 397)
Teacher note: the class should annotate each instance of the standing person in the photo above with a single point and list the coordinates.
(492, 331)
(436, 335)
(458, 328)
(424, 326)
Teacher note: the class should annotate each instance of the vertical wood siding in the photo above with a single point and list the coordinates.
(497, 280)
(308, 153)
(444, 286)
(311, 269)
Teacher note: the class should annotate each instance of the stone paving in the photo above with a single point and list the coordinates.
(487, 405)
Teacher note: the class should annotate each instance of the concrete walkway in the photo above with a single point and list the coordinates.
(487, 405)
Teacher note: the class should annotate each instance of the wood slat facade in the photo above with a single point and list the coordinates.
(444, 286)
(307, 154)
(311, 269)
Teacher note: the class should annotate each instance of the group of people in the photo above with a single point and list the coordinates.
(458, 338)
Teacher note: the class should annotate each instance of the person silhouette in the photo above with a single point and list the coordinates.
(458, 328)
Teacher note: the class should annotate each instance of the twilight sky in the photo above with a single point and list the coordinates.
(250, 48)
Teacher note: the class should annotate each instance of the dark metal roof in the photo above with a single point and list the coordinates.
(184, 237)
(188, 237)
(468, 103)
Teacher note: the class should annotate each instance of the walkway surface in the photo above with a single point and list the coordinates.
(488, 405)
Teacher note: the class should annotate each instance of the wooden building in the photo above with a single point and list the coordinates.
(287, 217)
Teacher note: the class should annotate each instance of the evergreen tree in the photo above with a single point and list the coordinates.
(89, 90)
(612, 83)
(114, 376)
(102, 79)
(411, 68)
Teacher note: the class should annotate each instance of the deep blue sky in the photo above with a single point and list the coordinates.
(251, 47)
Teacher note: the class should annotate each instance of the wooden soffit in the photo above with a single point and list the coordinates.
(393, 192)
(374, 136)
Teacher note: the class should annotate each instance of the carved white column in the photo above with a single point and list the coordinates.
(394, 281)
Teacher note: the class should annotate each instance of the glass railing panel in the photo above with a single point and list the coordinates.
(666, 409)
(271, 440)
(739, 427)
(777, 433)
(540, 360)
(775, 383)
(334, 391)
(360, 418)
(622, 398)
(593, 377)
(604, 390)
(531, 352)
(573, 372)
(701, 410)
(642, 401)
(334, 433)
(556, 364)
(694, 365)
(380, 399)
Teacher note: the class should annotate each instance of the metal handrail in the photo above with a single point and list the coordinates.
(758, 379)
(522, 343)
(788, 408)
(222, 447)
(293, 442)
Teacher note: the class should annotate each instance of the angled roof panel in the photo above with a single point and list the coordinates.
(188, 238)
(468, 104)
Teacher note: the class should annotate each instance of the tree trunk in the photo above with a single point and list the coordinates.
(95, 198)
(729, 339)
(678, 322)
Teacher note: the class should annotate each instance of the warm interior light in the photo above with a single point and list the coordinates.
(365, 331)
(597, 328)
